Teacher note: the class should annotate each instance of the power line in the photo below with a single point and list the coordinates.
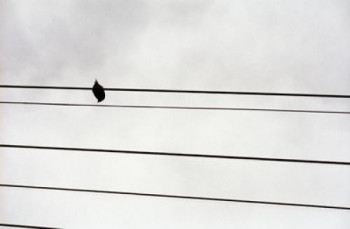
(177, 107)
(25, 226)
(174, 154)
(173, 196)
(181, 91)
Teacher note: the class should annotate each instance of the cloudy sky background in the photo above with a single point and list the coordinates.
(272, 46)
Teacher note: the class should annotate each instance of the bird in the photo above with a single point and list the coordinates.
(98, 91)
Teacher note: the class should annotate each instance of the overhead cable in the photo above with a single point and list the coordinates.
(173, 196)
(177, 107)
(174, 154)
(181, 91)
(25, 226)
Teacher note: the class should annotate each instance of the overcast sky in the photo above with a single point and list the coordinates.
(236, 45)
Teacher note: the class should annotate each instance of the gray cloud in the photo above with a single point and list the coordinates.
(253, 45)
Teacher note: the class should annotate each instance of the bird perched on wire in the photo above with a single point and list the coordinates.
(98, 91)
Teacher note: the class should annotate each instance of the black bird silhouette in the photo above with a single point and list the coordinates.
(98, 91)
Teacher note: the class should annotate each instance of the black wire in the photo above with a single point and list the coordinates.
(176, 107)
(26, 226)
(182, 91)
(175, 154)
(174, 196)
